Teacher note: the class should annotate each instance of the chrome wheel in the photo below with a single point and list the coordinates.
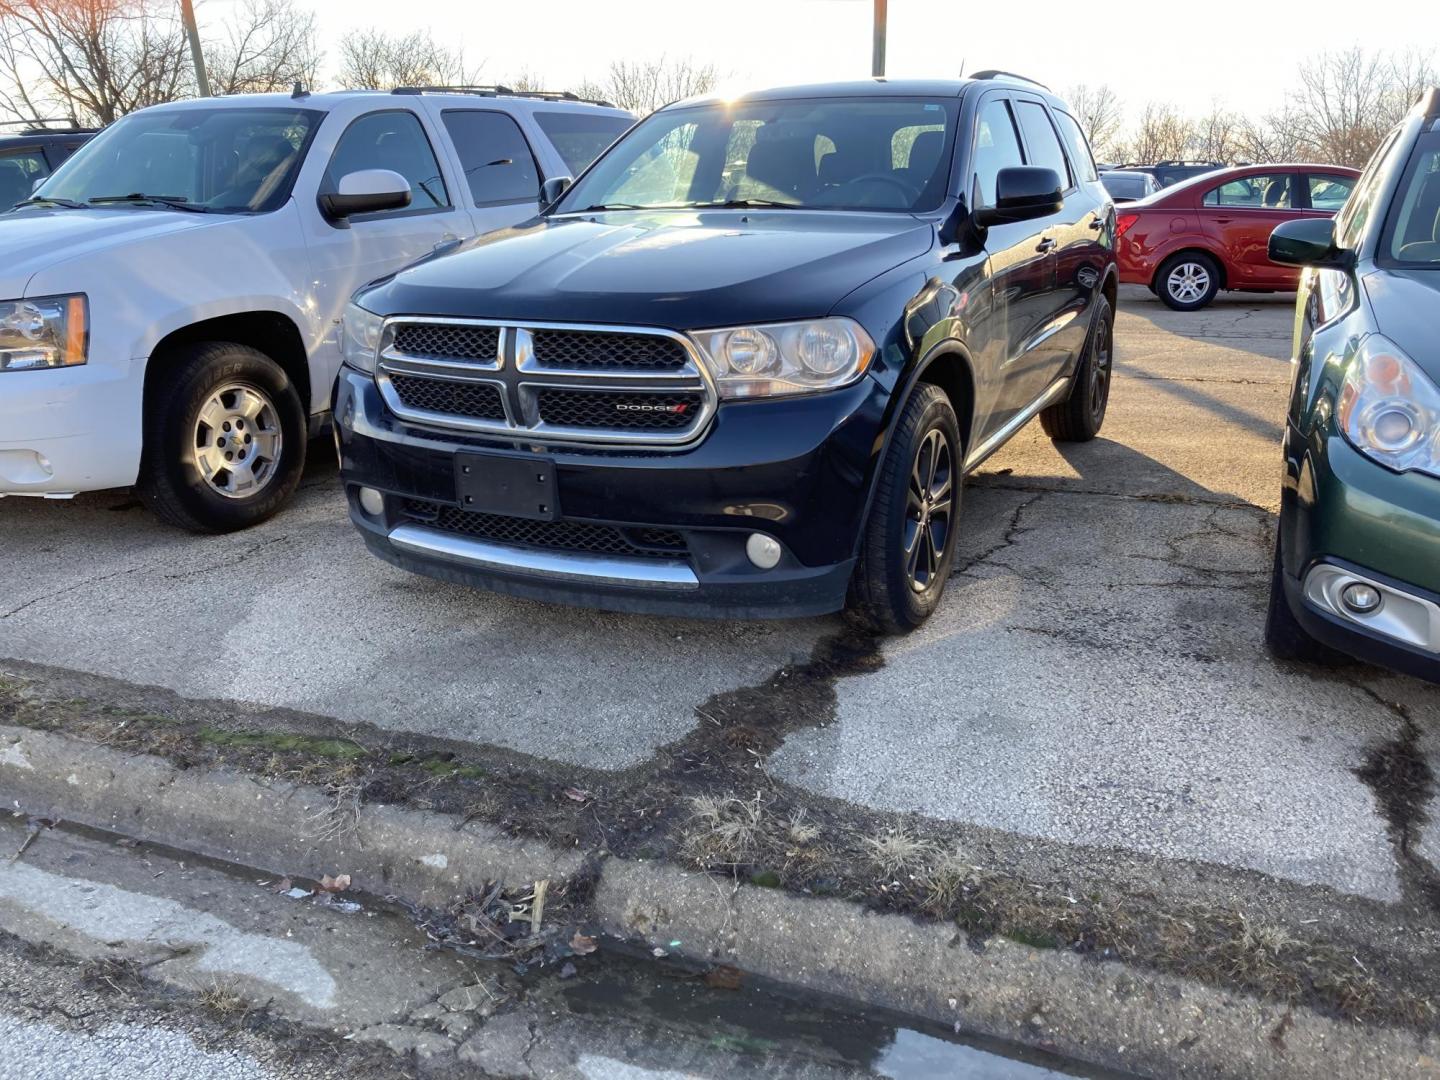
(1099, 390)
(927, 509)
(238, 441)
(1188, 282)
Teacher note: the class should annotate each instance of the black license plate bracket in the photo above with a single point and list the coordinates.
(515, 485)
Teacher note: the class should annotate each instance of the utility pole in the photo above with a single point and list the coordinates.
(877, 62)
(202, 81)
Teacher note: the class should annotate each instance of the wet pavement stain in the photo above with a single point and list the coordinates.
(1404, 784)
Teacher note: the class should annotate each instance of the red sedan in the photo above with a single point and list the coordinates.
(1211, 232)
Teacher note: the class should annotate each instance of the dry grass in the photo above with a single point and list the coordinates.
(223, 1001)
(896, 854)
(725, 831)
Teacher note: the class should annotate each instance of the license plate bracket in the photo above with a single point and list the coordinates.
(515, 485)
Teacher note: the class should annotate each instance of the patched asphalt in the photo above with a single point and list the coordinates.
(1095, 677)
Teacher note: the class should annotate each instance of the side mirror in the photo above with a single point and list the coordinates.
(34, 187)
(1022, 193)
(552, 189)
(366, 191)
(1308, 242)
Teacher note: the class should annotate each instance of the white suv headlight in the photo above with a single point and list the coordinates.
(360, 337)
(785, 358)
(44, 332)
(1389, 410)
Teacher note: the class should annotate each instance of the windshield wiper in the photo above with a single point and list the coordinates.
(598, 207)
(45, 200)
(174, 202)
(743, 204)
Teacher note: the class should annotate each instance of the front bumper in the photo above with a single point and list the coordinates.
(70, 429)
(797, 470)
(1345, 519)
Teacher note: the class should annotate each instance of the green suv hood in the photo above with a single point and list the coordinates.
(1406, 304)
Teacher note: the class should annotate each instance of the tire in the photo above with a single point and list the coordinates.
(1285, 638)
(1080, 416)
(212, 390)
(901, 573)
(1188, 281)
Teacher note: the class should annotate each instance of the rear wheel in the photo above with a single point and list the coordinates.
(225, 448)
(1188, 281)
(1079, 417)
(909, 540)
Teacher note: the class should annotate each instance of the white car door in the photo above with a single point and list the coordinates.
(501, 168)
(346, 254)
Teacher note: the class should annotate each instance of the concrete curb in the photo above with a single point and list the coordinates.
(1103, 1012)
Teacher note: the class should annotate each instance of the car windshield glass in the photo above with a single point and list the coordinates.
(816, 154)
(1125, 187)
(1413, 229)
(220, 160)
(580, 136)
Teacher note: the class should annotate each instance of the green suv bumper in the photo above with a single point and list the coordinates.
(1345, 519)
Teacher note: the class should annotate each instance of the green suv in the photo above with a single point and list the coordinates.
(1357, 559)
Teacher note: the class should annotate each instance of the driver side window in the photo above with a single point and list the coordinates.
(391, 140)
(997, 147)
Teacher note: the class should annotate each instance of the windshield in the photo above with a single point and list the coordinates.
(580, 137)
(222, 160)
(827, 154)
(1125, 187)
(1413, 230)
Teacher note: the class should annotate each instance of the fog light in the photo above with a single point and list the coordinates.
(1360, 598)
(372, 502)
(763, 550)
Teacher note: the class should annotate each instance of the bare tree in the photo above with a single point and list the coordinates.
(1162, 134)
(642, 86)
(1098, 110)
(269, 45)
(94, 60)
(1343, 105)
(374, 60)
(1216, 135)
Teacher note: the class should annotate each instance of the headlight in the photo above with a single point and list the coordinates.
(360, 337)
(785, 358)
(1389, 410)
(44, 332)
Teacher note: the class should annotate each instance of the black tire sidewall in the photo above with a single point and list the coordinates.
(907, 608)
(175, 478)
(1163, 289)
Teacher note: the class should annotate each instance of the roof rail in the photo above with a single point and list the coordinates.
(1191, 161)
(502, 91)
(996, 73)
(1430, 102)
(39, 125)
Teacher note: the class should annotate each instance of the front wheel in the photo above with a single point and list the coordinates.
(1188, 281)
(1285, 637)
(909, 540)
(225, 446)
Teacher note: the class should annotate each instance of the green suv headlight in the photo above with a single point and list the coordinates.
(785, 358)
(1389, 410)
(44, 332)
(360, 337)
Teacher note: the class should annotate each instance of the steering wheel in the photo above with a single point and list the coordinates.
(905, 190)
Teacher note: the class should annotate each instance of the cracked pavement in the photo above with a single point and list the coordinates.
(1095, 677)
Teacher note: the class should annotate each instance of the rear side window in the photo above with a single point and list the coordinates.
(997, 147)
(1079, 146)
(391, 140)
(1329, 192)
(580, 137)
(494, 155)
(1043, 143)
(1273, 191)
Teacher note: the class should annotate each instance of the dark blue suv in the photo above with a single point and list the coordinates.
(29, 152)
(743, 364)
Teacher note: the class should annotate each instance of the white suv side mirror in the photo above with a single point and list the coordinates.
(366, 191)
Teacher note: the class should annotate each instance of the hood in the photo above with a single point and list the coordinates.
(1406, 304)
(679, 269)
(33, 240)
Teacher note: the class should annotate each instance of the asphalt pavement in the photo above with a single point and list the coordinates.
(1095, 678)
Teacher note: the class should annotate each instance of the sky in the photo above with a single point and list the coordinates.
(1242, 57)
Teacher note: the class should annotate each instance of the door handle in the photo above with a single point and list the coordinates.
(447, 241)
(1097, 223)
(1046, 245)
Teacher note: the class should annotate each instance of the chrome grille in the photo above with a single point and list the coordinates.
(480, 401)
(588, 349)
(448, 342)
(550, 535)
(623, 409)
(546, 382)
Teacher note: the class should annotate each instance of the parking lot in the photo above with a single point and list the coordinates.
(1095, 678)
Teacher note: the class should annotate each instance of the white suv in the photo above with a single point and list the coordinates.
(170, 299)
